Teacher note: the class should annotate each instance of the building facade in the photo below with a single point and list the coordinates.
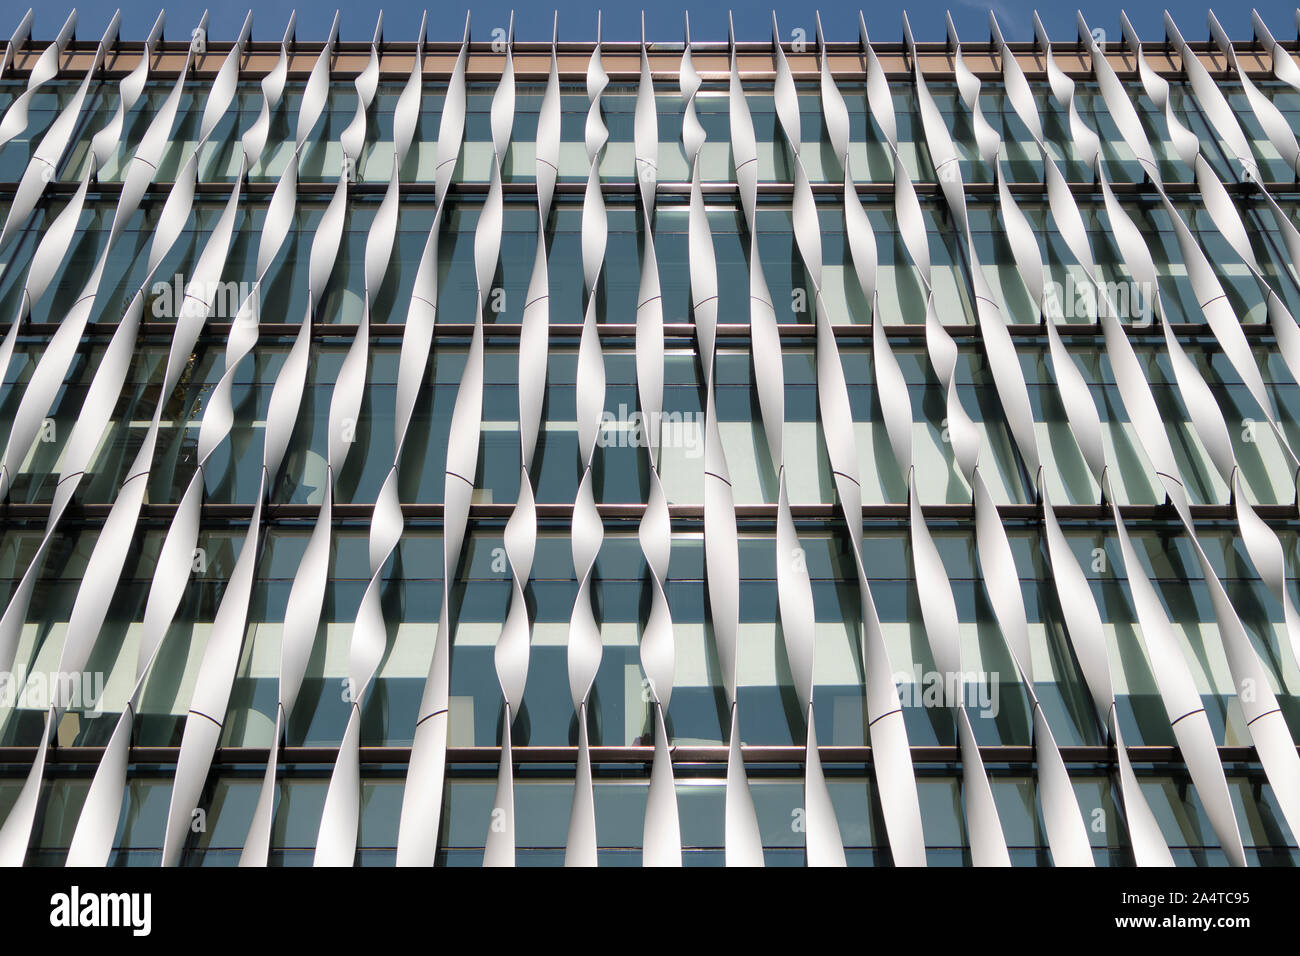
(468, 450)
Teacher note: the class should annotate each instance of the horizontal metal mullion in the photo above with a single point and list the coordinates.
(672, 330)
(830, 513)
(997, 754)
(621, 57)
(159, 190)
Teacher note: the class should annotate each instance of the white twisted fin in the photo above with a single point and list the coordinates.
(824, 845)
(1169, 669)
(52, 367)
(1262, 544)
(130, 89)
(1173, 677)
(1284, 65)
(766, 353)
(1083, 625)
(1067, 835)
(662, 843)
(1207, 425)
(417, 835)
(1250, 676)
(14, 122)
(1088, 639)
(587, 531)
(1280, 135)
(50, 250)
(103, 571)
(337, 833)
(1216, 201)
(895, 776)
(939, 611)
(303, 610)
(742, 841)
(512, 650)
(44, 164)
(56, 359)
(206, 717)
(17, 40)
(422, 801)
(1271, 121)
(92, 840)
(1182, 702)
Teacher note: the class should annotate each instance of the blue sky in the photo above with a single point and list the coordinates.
(663, 19)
